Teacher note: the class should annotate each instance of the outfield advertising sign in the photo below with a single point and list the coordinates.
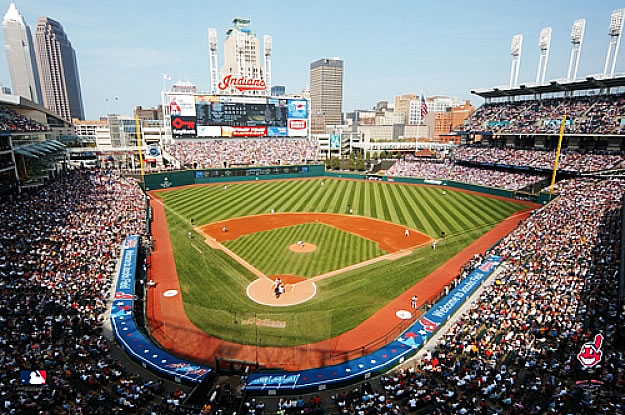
(335, 142)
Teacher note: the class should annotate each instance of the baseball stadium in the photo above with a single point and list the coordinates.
(238, 252)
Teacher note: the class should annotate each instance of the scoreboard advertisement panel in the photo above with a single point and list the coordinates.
(238, 116)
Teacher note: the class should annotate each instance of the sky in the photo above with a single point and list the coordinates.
(388, 48)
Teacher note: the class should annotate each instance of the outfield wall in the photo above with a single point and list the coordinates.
(166, 180)
(239, 174)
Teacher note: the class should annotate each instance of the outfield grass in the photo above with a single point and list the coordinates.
(213, 284)
(268, 251)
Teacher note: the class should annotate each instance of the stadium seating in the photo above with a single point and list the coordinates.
(602, 114)
(570, 160)
(13, 122)
(213, 153)
(514, 350)
(465, 174)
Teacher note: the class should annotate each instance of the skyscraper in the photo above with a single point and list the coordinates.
(242, 56)
(19, 48)
(326, 90)
(58, 70)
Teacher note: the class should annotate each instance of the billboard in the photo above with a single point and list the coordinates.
(298, 108)
(298, 128)
(183, 126)
(182, 105)
(335, 142)
(208, 131)
(244, 131)
(277, 131)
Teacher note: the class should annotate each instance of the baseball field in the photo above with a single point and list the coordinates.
(354, 273)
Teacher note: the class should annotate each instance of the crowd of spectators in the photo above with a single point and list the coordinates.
(600, 114)
(58, 249)
(570, 160)
(514, 350)
(465, 174)
(245, 152)
(13, 122)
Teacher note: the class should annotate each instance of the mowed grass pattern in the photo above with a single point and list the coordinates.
(335, 249)
(213, 284)
(419, 207)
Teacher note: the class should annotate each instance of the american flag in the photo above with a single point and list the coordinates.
(424, 107)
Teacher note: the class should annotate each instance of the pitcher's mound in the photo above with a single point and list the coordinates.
(304, 248)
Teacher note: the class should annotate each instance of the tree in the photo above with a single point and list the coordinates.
(360, 165)
(368, 156)
(383, 154)
(351, 164)
(376, 156)
(334, 163)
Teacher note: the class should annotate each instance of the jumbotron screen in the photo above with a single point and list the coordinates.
(219, 116)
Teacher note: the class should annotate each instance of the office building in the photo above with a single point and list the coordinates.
(278, 90)
(58, 70)
(19, 48)
(242, 56)
(326, 91)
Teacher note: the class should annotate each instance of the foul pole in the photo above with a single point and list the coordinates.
(140, 149)
(555, 164)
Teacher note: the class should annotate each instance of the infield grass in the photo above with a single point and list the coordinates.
(335, 249)
(213, 284)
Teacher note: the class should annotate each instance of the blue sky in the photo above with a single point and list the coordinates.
(389, 48)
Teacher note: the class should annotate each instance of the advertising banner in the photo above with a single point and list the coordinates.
(182, 105)
(335, 142)
(128, 334)
(208, 131)
(557, 123)
(298, 108)
(277, 131)
(298, 128)
(243, 131)
(183, 126)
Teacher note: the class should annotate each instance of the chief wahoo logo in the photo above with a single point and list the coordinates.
(590, 354)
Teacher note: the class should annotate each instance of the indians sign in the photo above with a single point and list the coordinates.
(242, 83)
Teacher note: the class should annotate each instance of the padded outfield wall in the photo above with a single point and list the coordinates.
(238, 174)
(166, 180)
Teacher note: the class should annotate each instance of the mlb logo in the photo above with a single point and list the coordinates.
(131, 242)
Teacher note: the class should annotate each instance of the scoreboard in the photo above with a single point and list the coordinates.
(218, 116)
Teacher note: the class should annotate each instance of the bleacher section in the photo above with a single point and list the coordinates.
(231, 152)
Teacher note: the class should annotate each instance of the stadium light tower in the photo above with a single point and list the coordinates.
(267, 40)
(616, 29)
(544, 43)
(577, 38)
(212, 46)
(515, 50)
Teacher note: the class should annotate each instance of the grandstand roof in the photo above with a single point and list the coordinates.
(43, 148)
(559, 85)
(19, 101)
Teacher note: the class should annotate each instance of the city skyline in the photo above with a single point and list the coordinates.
(407, 48)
